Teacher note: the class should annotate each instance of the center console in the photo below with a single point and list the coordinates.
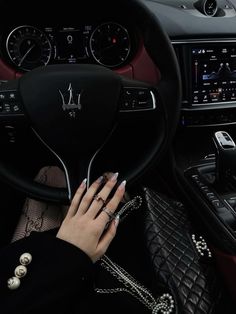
(209, 81)
(204, 156)
(205, 170)
(212, 186)
(208, 69)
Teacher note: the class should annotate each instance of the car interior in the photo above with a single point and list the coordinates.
(146, 88)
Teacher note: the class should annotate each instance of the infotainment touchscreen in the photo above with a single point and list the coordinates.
(213, 73)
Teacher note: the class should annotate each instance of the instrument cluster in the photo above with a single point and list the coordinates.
(108, 44)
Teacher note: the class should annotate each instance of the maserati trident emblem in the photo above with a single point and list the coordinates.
(71, 101)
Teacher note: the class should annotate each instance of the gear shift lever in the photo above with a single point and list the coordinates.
(225, 156)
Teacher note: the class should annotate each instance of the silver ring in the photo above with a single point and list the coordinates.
(98, 198)
(109, 213)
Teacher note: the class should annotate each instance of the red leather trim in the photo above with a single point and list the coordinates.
(6, 72)
(141, 68)
(18, 74)
(144, 69)
(227, 266)
(126, 71)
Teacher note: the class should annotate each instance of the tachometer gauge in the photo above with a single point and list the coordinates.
(110, 44)
(28, 47)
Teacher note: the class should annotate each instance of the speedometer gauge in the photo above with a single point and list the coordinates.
(110, 44)
(28, 47)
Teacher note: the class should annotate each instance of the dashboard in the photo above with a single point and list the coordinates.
(109, 43)
(202, 33)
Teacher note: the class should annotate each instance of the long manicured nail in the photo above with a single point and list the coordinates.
(117, 220)
(114, 177)
(122, 185)
(83, 183)
(100, 179)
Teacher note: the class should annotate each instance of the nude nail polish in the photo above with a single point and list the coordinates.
(114, 177)
(122, 185)
(100, 179)
(83, 183)
(117, 220)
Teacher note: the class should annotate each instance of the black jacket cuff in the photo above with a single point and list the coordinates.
(58, 273)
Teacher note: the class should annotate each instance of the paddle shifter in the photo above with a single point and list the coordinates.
(225, 157)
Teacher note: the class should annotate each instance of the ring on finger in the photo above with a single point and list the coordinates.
(109, 213)
(98, 198)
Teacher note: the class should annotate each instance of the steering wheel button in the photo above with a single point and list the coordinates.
(15, 108)
(134, 103)
(142, 104)
(128, 93)
(12, 95)
(6, 107)
(143, 94)
(126, 105)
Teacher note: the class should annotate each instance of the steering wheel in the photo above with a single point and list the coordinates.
(74, 108)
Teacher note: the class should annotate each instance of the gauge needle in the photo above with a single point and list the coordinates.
(25, 55)
(107, 47)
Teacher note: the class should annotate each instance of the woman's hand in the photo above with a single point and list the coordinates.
(86, 220)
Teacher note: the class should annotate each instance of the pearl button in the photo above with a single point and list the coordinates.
(25, 259)
(13, 283)
(20, 271)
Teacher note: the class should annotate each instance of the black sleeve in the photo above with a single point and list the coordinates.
(59, 277)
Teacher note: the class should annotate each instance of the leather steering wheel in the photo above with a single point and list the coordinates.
(73, 109)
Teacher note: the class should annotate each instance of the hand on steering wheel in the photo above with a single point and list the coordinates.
(85, 223)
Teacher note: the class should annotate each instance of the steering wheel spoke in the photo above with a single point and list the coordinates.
(77, 168)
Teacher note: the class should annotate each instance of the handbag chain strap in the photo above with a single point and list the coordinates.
(163, 304)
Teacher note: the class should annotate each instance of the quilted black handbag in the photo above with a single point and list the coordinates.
(191, 278)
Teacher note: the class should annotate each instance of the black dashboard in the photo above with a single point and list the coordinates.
(107, 43)
(203, 33)
(205, 44)
(45, 33)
